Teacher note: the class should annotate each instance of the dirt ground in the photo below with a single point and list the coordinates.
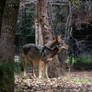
(79, 81)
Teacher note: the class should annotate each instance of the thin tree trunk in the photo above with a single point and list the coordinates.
(38, 30)
(22, 11)
(44, 20)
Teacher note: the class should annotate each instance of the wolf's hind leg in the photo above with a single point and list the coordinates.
(46, 70)
(33, 70)
(23, 62)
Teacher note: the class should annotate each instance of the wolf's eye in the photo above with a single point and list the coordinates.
(60, 44)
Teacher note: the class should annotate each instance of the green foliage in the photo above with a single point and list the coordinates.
(25, 32)
(75, 2)
(6, 76)
(68, 60)
(18, 67)
(7, 70)
(83, 59)
(80, 80)
(58, 16)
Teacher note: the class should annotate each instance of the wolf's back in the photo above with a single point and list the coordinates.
(32, 51)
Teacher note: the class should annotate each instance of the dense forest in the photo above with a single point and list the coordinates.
(45, 46)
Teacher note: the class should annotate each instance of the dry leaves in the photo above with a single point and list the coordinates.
(61, 84)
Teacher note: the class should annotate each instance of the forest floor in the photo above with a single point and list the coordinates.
(72, 82)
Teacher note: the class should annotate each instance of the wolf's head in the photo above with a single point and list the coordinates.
(58, 44)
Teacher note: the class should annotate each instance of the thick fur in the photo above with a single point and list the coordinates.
(41, 54)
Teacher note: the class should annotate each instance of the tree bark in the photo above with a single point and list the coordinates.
(2, 5)
(8, 30)
(44, 20)
(7, 45)
(38, 30)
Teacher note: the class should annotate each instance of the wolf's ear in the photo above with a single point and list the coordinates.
(58, 38)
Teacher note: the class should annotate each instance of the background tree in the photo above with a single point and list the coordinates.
(58, 13)
(44, 34)
(7, 45)
(25, 25)
(1, 12)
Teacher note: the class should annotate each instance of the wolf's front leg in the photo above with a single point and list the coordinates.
(40, 68)
(34, 74)
(24, 73)
(23, 62)
(46, 70)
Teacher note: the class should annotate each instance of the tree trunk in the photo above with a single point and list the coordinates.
(44, 20)
(44, 34)
(8, 30)
(38, 30)
(7, 45)
(2, 5)
(58, 22)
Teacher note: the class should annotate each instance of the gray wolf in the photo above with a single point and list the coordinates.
(41, 55)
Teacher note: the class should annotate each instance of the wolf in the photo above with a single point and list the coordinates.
(41, 55)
